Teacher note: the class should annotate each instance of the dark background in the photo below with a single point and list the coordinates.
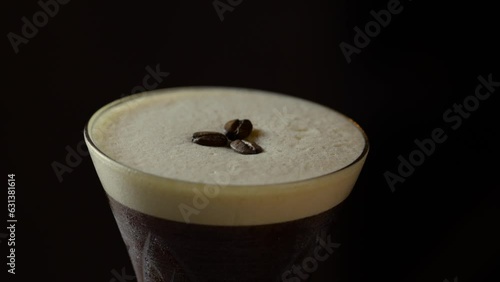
(441, 223)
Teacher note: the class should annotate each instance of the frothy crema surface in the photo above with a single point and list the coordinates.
(141, 147)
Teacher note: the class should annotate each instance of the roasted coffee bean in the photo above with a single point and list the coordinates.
(245, 147)
(208, 138)
(238, 129)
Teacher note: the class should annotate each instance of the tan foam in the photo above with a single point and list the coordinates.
(146, 160)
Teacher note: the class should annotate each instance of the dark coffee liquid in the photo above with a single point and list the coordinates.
(163, 250)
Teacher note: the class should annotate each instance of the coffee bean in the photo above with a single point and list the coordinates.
(245, 147)
(208, 138)
(238, 129)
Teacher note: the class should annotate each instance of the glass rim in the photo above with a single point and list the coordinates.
(102, 110)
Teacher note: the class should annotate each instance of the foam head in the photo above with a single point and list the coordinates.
(142, 150)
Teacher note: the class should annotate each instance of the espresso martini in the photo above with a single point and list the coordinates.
(202, 213)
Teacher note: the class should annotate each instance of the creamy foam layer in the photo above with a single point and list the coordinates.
(146, 160)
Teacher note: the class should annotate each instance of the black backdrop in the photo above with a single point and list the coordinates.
(441, 223)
